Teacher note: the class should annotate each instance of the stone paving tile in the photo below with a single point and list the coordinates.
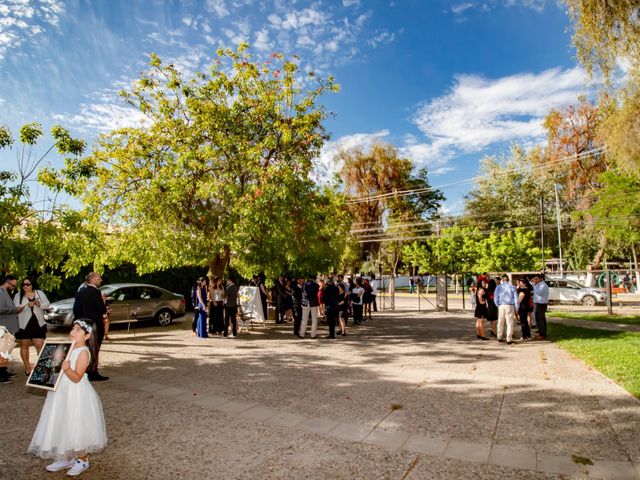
(210, 401)
(387, 438)
(318, 425)
(170, 392)
(612, 470)
(469, 451)
(512, 457)
(286, 419)
(151, 387)
(350, 432)
(433, 446)
(560, 465)
(235, 406)
(259, 413)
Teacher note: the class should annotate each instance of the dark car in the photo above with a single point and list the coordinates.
(127, 301)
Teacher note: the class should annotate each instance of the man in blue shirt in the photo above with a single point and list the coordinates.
(540, 302)
(506, 298)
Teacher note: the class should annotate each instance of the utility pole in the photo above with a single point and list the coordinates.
(542, 231)
(555, 185)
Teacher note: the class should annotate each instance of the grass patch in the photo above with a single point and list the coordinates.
(614, 354)
(598, 317)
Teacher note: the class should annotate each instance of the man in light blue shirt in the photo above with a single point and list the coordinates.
(540, 302)
(506, 298)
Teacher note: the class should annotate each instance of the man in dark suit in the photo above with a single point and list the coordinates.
(89, 304)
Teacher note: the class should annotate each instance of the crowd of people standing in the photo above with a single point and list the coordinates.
(295, 300)
(499, 302)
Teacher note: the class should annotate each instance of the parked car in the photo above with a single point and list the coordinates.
(567, 291)
(126, 301)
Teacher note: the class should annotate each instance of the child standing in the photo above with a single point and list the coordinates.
(71, 423)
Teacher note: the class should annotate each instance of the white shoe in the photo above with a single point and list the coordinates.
(78, 467)
(60, 465)
(232, 336)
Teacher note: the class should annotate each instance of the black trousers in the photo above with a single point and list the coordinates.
(194, 322)
(357, 313)
(524, 323)
(280, 311)
(332, 317)
(540, 314)
(230, 314)
(297, 319)
(99, 339)
(375, 304)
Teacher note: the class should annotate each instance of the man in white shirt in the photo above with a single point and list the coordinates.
(506, 298)
(540, 303)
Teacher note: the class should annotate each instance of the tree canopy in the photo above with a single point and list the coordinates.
(38, 234)
(218, 171)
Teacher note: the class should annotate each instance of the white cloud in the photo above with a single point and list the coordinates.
(327, 164)
(21, 20)
(461, 7)
(103, 117)
(350, 3)
(218, 7)
(381, 38)
(480, 112)
(262, 42)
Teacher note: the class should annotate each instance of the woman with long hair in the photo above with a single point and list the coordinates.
(490, 289)
(216, 305)
(33, 328)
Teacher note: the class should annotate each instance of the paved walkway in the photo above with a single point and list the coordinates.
(406, 396)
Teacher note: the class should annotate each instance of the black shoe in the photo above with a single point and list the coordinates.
(484, 338)
(501, 340)
(509, 343)
(300, 336)
(329, 336)
(96, 377)
(478, 337)
(493, 334)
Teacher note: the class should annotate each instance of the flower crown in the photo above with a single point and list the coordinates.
(84, 325)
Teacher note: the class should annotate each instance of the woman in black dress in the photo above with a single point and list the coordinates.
(481, 312)
(493, 309)
(33, 329)
(343, 308)
(524, 297)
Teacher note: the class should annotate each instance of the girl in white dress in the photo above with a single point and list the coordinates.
(72, 423)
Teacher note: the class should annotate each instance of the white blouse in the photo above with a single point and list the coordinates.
(25, 315)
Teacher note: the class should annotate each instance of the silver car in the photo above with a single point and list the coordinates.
(567, 291)
(127, 301)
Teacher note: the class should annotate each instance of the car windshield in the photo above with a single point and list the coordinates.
(107, 290)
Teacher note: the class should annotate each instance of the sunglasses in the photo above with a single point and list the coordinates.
(26, 284)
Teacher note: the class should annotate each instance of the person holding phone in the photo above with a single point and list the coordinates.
(33, 328)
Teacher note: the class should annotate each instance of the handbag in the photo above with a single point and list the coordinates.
(7, 343)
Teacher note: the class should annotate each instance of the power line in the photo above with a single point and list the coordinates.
(401, 193)
(548, 226)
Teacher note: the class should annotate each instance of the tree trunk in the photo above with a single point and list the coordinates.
(218, 264)
(597, 260)
(635, 262)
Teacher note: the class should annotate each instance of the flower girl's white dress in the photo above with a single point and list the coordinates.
(71, 423)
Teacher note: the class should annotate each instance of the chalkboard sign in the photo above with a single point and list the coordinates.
(47, 371)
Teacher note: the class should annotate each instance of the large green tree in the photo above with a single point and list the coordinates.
(217, 172)
(605, 32)
(38, 234)
(389, 201)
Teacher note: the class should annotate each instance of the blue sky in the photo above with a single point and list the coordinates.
(446, 81)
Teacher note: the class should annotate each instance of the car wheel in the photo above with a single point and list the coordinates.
(588, 301)
(164, 318)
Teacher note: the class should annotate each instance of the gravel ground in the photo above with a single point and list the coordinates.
(406, 372)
